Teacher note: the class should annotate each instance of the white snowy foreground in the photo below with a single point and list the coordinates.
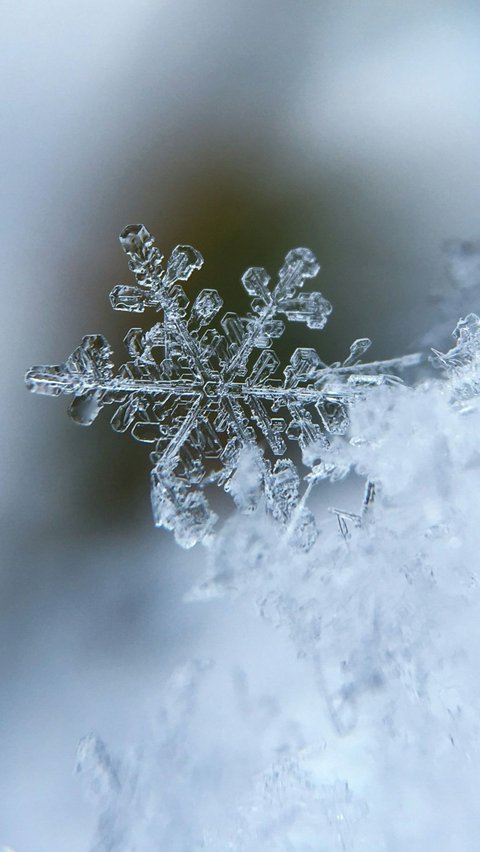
(361, 730)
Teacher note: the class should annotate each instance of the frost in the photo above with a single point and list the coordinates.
(368, 613)
(175, 792)
(384, 612)
(123, 789)
(205, 395)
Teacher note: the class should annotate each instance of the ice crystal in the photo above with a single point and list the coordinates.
(346, 717)
(211, 398)
(211, 802)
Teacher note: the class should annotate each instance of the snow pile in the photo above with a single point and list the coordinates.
(380, 747)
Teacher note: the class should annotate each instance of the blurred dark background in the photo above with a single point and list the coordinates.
(242, 128)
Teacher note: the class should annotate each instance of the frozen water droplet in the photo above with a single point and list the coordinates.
(84, 409)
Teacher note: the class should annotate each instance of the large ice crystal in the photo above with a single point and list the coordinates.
(206, 396)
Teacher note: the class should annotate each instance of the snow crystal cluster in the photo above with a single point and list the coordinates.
(371, 739)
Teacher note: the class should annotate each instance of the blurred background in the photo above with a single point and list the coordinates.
(246, 129)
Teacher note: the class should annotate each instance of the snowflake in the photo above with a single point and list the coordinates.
(216, 411)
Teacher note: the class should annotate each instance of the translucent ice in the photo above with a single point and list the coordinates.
(202, 395)
(368, 639)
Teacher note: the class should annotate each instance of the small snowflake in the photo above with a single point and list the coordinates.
(214, 408)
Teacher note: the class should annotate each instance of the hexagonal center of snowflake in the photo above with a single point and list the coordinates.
(214, 388)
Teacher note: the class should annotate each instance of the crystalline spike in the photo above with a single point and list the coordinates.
(264, 367)
(87, 373)
(183, 261)
(51, 381)
(230, 454)
(145, 260)
(125, 415)
(327, 470)
(124, 298)
(304, 366)
(344, 519)
(135, 342)
(258, 336)
(234, 327)
(264, 421)
(310, 308)
(206, 398)
(299, 265)
(190, 467)
(214, 347)
(92, 357)
(208, 439)
(274, 329)
(180, 300)
(206, 306)
(256, 281)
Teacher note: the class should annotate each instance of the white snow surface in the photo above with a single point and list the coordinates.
(352, 722)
